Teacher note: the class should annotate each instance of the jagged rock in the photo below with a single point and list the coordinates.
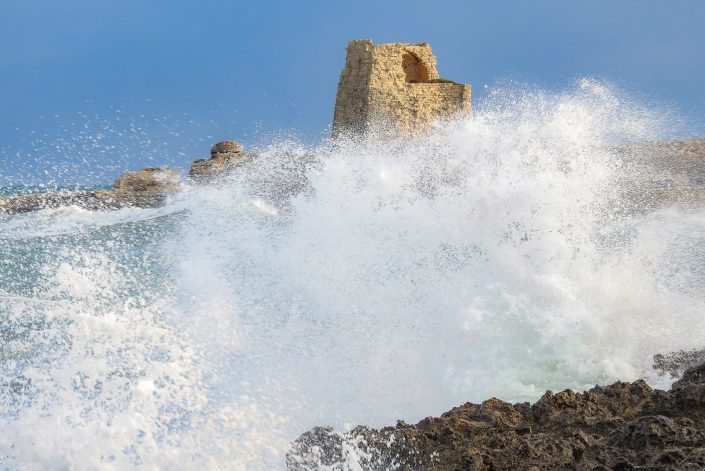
(623, 426)
(226, 147)
(159, 180)
(324, 446)
(225, 156)
(144, 188)
(676, 363)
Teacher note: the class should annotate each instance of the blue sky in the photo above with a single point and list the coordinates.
(89, 88)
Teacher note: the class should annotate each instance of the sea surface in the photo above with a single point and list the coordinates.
(342, 284)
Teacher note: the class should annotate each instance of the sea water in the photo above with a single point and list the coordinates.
(346, 283)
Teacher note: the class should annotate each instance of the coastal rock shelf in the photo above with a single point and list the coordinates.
(225, 156)
(146, 188)
(618, 427)
(655, 174)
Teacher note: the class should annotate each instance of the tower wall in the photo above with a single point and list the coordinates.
(394, 87)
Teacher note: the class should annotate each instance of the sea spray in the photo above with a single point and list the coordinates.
(358, 282)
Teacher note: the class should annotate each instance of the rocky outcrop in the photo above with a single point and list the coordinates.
(145, 188)
(657, 174)
(624, 426)
(675, 364)
(225, 156)
(148, 180)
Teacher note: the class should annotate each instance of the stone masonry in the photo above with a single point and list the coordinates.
(394, 87)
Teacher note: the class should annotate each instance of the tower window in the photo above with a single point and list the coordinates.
(414, 69)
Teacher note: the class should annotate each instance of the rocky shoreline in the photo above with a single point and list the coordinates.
(623, 426)
(664, 172)
(145, 188)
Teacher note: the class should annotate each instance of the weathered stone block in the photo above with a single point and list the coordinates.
(394, 88)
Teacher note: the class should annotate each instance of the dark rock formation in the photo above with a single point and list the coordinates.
(618, 427)
(225, 156)
(677, 363)
(144, 188)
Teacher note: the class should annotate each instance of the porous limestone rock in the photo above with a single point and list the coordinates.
(676, 363)
(144, 188)
(624, 426)
(160, 180)
(226, 147)
(392, 88)
(225, 156)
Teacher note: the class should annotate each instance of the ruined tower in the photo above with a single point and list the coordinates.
(394, 86)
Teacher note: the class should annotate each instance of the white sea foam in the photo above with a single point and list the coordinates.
(353, 283)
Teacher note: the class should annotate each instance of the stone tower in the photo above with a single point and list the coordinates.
(394, 86)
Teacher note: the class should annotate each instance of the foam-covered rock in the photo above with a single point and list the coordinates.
(144, 188)
(160, 180)
(225, 156)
